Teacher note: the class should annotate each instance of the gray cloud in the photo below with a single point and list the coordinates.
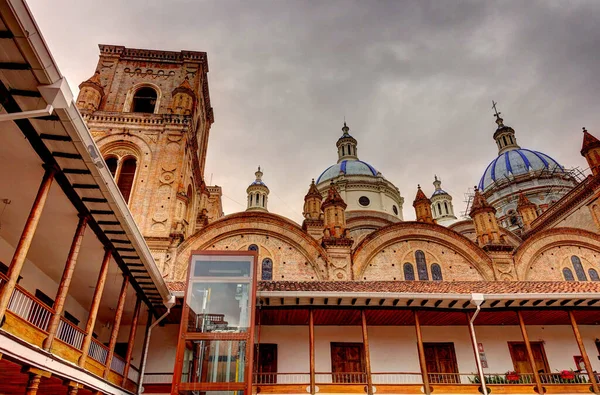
(415, 80)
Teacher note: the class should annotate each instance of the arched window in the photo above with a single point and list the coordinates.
(568, 274)
(421, 265)
(436, 272)
(578, 268)
(144, 100)
(267, 269)
(253, 247)
(593, 275)
(504, 139)
(112, 163)
(409, 272)
(439, 209)
(126, 176)
(514, 220)
(446, 207)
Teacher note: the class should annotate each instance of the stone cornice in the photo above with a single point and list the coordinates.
(136, 118)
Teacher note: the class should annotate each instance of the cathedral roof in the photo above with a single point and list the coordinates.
(523, 201)
(517, 162)
(93, 81)
(313, 191)
(589, 142)
(333, 198)
(479, 204)
(420, 197)
(347, 167)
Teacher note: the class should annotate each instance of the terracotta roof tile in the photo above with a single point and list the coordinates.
(589, 142)
(420, 197)
(456, 287)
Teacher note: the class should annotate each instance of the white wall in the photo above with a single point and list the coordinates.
(34, 278)
(394, 349)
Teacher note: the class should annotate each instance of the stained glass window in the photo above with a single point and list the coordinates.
(436, 272)
(593, 275)
(421, 265)
(578, 268)
(409, 272)
(568, 274)
(267, 269)
(253, 247)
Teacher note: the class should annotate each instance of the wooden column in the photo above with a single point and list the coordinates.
(72, 387)
(584, 355)
(65, 282)
(311, 350)
(536, 375)
(421, 349)
(131, 342)
(116, 324)
(35, 377)
(91, 322)
(365, 336)
(25, 241)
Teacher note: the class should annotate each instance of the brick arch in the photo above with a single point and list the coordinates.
(254, 223)
(406, 231)
(131, 92)
(535, 246)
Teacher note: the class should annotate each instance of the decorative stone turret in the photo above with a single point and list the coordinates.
(313, 216)
(484, 218)
(422, 207)
(441, 204)
(527, 211)
(334, 217)
(504, 135)
(591, 152)
(90, 93)
(346, 145)
(183, 99)
(258, 194)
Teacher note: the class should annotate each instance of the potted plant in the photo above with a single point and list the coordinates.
(512, 376)
(567, 375)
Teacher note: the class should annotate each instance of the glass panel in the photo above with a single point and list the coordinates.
(409, 272)
(267, 269)
(421, 265)
(593, 275)
(578, 268)
(568, 274)
(436, 272)
(214, 361)
(219, 307)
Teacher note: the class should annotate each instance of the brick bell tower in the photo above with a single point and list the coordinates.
(150, 114)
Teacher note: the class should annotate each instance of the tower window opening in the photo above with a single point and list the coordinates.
(504, 139)
(439, 206)
(111, 164)
(126, 176)
(511, 139)
(144, 100)
(446, 207)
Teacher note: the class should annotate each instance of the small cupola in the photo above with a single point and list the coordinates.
(346, 145)
(90, 93)
(258, 193)
(504, 135)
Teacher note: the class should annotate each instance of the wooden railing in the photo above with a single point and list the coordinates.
(158, 378)
(281, 378)
(98, 351)
(30, 308)
(397, 378)
(117, 364)
(341, 378)
(70, 334)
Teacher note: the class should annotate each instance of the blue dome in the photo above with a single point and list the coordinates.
(516, 162)
(439, 192)
(348, 167)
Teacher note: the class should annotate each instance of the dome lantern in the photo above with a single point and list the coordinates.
(504, 135)
(346, 145)
(258, 193)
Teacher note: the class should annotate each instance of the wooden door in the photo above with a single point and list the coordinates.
(347, 363)
(267, 364)
(518, 353)
(440, 359)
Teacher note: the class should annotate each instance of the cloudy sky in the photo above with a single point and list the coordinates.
(414, 79)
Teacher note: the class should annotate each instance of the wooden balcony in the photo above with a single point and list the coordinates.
(28, 317)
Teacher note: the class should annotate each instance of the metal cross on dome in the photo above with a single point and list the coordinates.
(496, 113)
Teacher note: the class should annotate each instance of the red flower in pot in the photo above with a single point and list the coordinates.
(567, 374)
(512, 376)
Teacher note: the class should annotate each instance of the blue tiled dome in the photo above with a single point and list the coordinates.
(517, 162)
(348, 167)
